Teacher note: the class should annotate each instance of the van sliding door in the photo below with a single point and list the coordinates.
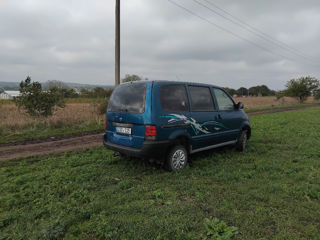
(203, 114)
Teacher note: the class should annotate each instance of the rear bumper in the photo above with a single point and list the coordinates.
(150, 149)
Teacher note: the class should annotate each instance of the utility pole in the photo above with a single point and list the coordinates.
(117, 75)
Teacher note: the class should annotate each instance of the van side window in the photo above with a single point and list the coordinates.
(174, 98)
(201, 99)
(224, 101)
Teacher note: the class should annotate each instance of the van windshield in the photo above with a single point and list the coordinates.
(128, 98)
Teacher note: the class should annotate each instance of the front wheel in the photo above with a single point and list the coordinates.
(242, 141)
(177, 158)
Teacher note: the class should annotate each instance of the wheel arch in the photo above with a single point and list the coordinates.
(181, 138)
(248, 129)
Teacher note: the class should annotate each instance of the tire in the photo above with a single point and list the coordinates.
(177, 158)
(242, 141)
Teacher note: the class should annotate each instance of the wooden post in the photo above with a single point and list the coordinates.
(117, 50)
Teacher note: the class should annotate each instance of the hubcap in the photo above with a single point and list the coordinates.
(178, 159)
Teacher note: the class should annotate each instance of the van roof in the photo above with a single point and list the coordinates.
(168, 81)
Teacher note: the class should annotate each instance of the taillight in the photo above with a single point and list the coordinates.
(105, 125)
(151, 131)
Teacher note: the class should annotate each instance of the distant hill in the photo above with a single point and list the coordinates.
(15, 85)
(9, 85)
(87, 86)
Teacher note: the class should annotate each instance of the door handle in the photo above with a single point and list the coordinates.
(217, 117)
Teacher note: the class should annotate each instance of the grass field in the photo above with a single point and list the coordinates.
(271, 191)
(75, 118)
(258, 102)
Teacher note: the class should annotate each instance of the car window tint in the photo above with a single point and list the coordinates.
(225, 103)
(201, 99)
(128, 98)
(174, 98)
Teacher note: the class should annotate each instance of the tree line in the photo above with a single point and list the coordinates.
(40, 100)
(262, 90)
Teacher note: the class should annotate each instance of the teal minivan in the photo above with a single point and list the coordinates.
(168, 121)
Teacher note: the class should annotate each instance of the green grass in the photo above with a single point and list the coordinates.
(271, 191)
(43, 131)
(6, 101)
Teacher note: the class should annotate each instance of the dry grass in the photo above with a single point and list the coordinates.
(73, 113)
(253, 102)
(76, 113)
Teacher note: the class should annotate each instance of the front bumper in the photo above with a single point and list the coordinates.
(150, 149)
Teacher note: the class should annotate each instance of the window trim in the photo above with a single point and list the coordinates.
(212, 98)
(213, 88)
(187, 95)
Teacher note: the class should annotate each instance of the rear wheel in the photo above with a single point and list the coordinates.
(242, 141)
(177, 158)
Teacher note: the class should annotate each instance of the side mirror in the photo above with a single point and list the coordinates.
(240, 105)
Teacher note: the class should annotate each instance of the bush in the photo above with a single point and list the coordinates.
(37, 102)
(100, 105)
(131, 78)
(280, 94)
(97, 92)
(219, 230)
(302, 88)
(317, 95)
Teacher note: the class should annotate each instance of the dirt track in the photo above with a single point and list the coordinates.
(46, 147)
(51, 145)
(276, 110)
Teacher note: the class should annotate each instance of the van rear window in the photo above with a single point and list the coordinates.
(128, 98)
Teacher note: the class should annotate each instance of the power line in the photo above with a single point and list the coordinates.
(252, 29)
(250, 26)
(228, 31)
(249, 29)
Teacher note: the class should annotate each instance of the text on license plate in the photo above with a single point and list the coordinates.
(123, 130)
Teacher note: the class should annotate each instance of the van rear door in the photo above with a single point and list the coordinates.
(128, 113)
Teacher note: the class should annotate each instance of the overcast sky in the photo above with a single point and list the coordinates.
(73, 41)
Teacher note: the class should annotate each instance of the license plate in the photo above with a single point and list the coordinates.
(123, 130)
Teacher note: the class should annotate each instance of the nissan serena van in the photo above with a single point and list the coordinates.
(168, 121)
